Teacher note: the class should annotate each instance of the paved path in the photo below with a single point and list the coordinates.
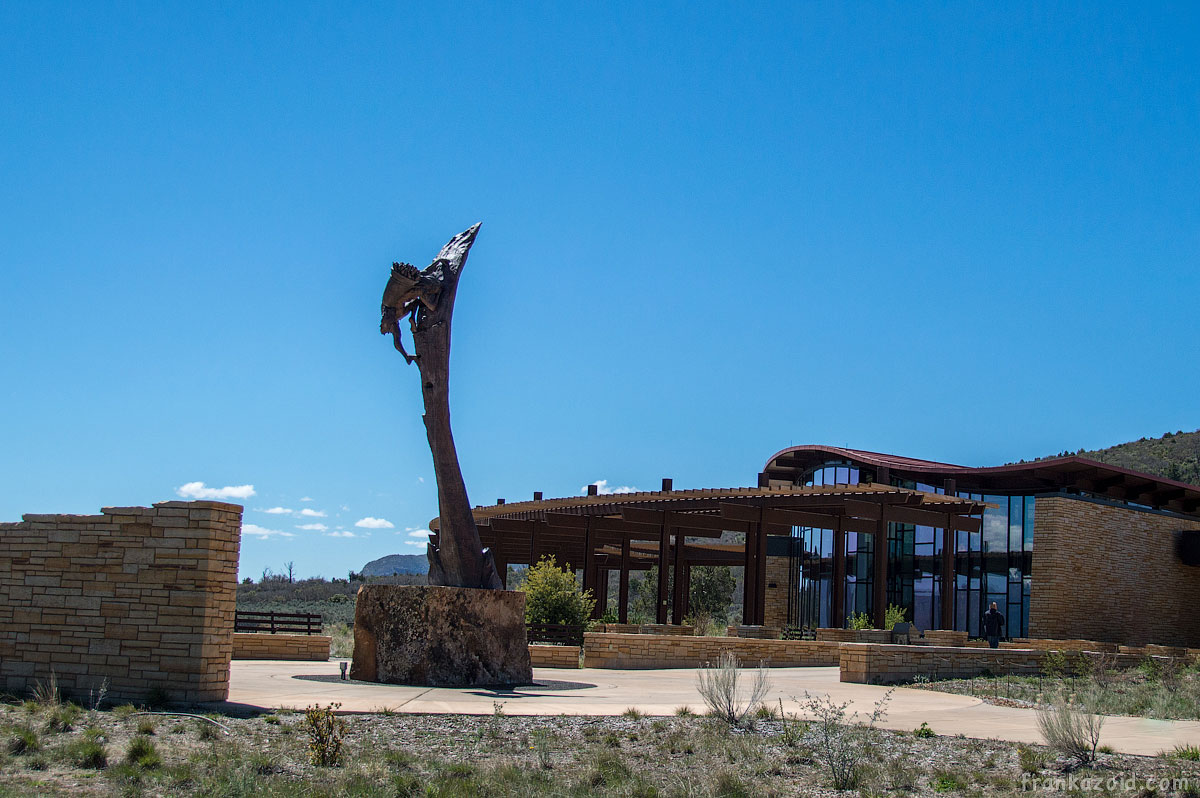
(271, 684)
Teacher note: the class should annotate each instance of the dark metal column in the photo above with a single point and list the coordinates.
(664, 565)
(948, 575)
(623, 589)
(838, 615)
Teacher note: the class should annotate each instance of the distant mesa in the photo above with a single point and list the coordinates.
(394, 564)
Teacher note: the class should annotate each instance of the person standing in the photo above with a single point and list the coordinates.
(993, 623)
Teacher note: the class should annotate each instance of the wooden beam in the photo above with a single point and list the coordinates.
(863, 509)
(838, 610)
(677, 570)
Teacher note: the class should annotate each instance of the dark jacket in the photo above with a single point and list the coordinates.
(993, 622)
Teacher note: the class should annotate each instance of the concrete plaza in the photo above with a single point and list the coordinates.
(275, 684)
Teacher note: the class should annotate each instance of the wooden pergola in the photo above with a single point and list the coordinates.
(676, 530)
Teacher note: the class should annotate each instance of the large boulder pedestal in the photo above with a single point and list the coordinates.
(440, 636)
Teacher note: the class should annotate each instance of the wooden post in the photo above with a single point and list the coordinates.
(623, 588)
(664, 564)
(760, 579)
(677, 569)
(750, 575)
(879, 608)
(948, 576)
(838, 611)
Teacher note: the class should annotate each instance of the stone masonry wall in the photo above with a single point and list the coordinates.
(652, 651)
(554, 656)
(1111, 574)
(142, 597)
(259, 645)
(867, 663)
(776, 601)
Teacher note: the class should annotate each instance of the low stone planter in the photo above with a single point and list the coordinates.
(299, 648)
(554, 656)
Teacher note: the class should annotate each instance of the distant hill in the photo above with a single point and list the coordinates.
(1176, 455)
(397, 564)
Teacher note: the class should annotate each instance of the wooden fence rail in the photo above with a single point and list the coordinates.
(556, 633)
(292, 623)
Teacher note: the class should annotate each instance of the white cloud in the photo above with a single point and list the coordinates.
(264, 533)
(307, 513)
(374, 523)
(197, 490)
(277, 511)
(313, 527)
(306, 498)
(417, 533)
(421, 480)
(414, 543)
(342, 533)
(605, 490)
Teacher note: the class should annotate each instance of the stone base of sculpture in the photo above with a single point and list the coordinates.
(440, 636)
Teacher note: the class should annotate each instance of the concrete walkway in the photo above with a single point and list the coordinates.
(273, 684)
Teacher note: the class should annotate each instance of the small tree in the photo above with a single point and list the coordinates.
(895, 614)
(553, 595)
(711, 592)
(291, 571)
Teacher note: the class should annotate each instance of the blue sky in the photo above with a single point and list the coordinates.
(964, 232)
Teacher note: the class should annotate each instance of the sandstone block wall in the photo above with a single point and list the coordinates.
(775, 604)
(1111, 574)
(867, 663)
(1060, 645)
(258, 645)
(554, 656)
(603, 650)
(141, 596)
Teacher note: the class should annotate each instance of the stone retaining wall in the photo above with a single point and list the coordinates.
(140, 597)
(834, 635)
(603, 650)
(259, 645)
(554, 656)
(874, 664)
(1059, 645)
(645, 629)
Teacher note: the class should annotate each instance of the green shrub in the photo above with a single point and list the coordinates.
(894, 615)
(553, 595)
(62, 718)
(860, 621)
(924, 731)
(145, 726)
(325, 732)
(947, 781)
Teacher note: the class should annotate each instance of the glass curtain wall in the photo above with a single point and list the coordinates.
(996, 564)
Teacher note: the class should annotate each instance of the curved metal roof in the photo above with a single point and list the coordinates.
(1057, 474)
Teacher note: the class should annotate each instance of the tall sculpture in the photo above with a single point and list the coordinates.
(426, 298)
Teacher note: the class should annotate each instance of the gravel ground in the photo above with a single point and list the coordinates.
(436, 755)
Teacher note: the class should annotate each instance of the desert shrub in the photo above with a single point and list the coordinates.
(325, 732)
(894, 615)
(88, 751)
(841, 744)
(143, 753)
(725, 699)
(947, 781)
(145, 726)
(728, 785)
(860, 621)
(553, 595)
(341, 643)
(23, 740)
(924, 731)
(1030, 760)
(46, 694)
(1055, 664)
(62, 718)
(1071, 730)
(607, 769)
(1191, 753)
